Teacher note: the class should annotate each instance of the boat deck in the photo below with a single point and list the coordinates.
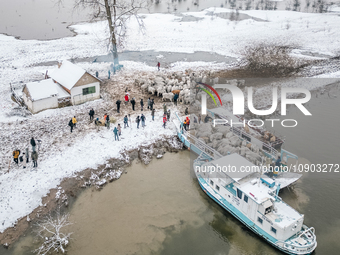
(285, 179)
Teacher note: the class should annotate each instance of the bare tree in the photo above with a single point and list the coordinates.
(50, 231)
(117, 13)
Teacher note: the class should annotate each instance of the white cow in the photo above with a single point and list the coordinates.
(168, 96)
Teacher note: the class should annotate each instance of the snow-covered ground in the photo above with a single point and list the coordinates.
(21, 190)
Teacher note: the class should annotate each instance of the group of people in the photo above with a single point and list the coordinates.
(24, 158)
(151, 102)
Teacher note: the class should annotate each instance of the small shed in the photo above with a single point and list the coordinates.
(80, 85)
(40, 95)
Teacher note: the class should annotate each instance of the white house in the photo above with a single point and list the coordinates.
(40, 95)
(80, 85)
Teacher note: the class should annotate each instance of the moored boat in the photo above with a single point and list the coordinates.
(254, 202)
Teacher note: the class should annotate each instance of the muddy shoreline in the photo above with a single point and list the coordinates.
(70, 188)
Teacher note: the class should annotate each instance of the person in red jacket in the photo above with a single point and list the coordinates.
(126, 98)
(158, 65)
(164, 120)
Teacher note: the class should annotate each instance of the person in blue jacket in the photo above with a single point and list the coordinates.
(115, 131)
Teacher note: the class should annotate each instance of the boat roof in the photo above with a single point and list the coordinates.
(283, 215)
(234, 165)
(224, 112)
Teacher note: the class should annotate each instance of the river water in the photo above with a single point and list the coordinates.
(46, 19)
(160, 209)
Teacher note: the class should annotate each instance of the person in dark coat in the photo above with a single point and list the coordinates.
(133, 102)
(115, 131)
(33, 144)
(107, 122)
(158, 65)
(71, 125)
(137, 121)
(164, 108)
(35, 158)
(143, 120)
(168, 115)
(118, 105)
(126, 124)
(91, 113)
(151, 104)
(175, 99)
(186, 112)
(141, 104)
(153, 114)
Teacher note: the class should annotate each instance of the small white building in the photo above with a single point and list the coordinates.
(80, 85)
(40, 95)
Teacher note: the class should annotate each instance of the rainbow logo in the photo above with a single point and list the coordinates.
(213, 90)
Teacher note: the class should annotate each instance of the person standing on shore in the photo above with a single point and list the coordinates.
(126, 98)
(175, 99)
(115, 131)
(118, 105)
(35, 158)
(164, 108)
(107, 121)
(97, 123)
(153, 114)
(70, 123)
(137, 121)
(126, 121)
(91, 113)
(119, 130)
(151, 104)
(164, 120)
(129, 120)
(158, 65)
(33, 144)
(28, 154)
(168, 114)
(74, 121)
(133, 102)
(16, 154)
(141, 104)
(143, 120)
(24, 160)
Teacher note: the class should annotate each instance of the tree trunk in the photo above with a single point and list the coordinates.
(112, 32)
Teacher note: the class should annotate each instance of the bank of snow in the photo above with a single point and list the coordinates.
(22, 190)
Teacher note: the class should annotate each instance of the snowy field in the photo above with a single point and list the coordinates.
(21, 190)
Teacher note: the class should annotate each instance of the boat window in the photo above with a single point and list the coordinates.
(273, 230)
(245, 198)
(259, 220)
(239, 194)
(211, 182)
(218, 188)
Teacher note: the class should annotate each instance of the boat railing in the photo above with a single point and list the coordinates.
(196, 142)
(268, 149)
